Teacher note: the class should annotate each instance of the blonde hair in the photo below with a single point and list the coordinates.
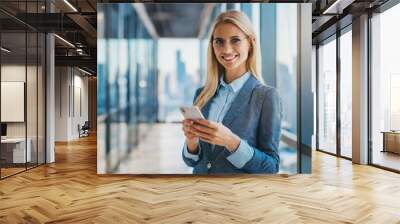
(214, 68)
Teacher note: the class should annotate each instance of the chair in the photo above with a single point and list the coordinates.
(84, 130)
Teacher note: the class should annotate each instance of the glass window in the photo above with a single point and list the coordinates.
(247, 9)
(286, 82)
(314, 84)
(32, 94)
(31, 89)
(278, 41)
(178, 61)
(41, 98)
(22, 80)
(286, 59)
(126, 80)
(327, 96)
(13, 84)
(385, 85)
(346, 94)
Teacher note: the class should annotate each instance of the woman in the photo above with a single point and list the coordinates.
(243, 126)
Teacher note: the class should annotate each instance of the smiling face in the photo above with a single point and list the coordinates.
(231, 48)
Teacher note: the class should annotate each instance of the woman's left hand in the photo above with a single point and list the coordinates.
(216, 133)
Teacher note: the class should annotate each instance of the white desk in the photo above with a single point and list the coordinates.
(18, 150)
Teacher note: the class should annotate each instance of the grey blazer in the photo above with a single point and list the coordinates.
(255, 116)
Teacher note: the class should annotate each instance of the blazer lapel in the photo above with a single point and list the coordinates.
(240, 102)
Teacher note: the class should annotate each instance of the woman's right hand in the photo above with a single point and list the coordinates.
(192, 140)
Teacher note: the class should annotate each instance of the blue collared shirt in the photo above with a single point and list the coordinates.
(220, 104)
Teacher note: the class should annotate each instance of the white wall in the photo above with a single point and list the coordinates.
(61, 103)
(12, 101)
(13, 73)
(71, 87)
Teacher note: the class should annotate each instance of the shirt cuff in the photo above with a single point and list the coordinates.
(189, 155)
(242, 155)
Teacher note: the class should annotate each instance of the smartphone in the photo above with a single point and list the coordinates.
(192, 113)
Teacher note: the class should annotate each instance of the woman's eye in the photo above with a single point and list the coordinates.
(235, 41)
(219, 42)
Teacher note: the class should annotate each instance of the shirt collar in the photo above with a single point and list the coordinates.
(237, 84)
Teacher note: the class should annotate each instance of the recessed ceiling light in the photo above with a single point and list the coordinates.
(5, 50)
(70, 5)
(64, 40)
(84, 71)
(337, 7)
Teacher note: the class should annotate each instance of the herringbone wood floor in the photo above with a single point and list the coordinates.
(70, 191)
